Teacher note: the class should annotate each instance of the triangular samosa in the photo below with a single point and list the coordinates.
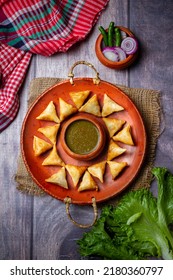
(110, 106)
(50, 132)
(97, 170)
(124, 136)
(79, 97)
(114, 150)
(91, 106)
(113, 125)
(40, 146)
(75, 172)
(116, 168)
(53, 158)
(87, 183)
(49, 114)
(66, 109)
(59, 178)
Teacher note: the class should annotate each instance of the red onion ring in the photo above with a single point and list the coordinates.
(111, 54)
(129, 45)
(121, 53)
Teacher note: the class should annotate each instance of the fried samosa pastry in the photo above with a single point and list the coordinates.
(91, 106)
(113, 125)
(116, 168)
(124, 136)
(114, 150)
(87, 183)
(40, 146)
(97, 170)
(75, 172)
(50, 132)
(59, 178)
(79, 97)
(49, 114)
(110, 106)
(53, 158)
(66, 109)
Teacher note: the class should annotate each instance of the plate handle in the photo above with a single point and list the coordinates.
(96, 80)
(67, 201)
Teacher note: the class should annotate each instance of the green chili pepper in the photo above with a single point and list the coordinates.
(118, 38)
(104, 34)
(110, 34)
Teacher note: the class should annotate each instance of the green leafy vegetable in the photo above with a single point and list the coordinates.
(138, 227)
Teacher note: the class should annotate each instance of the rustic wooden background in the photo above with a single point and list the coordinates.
(37, 227)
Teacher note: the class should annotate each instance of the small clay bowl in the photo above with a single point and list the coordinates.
(111, 64)
(68, 128)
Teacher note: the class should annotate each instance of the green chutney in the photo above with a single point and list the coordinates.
(82, 137)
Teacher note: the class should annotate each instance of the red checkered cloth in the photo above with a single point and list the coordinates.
(37, 27)
(14, 64)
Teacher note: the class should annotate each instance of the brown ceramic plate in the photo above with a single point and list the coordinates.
(133, 156)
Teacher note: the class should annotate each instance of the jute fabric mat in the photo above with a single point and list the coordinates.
(148, 103)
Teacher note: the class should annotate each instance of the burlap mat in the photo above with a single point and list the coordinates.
(147, 102)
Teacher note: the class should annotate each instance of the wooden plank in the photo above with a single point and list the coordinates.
(54, 236)
(15, 208)
(152, 23)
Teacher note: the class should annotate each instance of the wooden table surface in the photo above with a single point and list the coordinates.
(38, 227)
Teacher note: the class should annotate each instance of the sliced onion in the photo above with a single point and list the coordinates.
(110, 53)
(129, 45)
(121, 53)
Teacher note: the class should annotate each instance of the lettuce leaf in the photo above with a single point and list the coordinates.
(165, 193)
(138, 227)
(99, 242)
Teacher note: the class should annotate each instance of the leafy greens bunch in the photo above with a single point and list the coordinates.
(138, 227)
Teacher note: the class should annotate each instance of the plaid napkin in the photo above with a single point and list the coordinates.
(14, 64)
(37, 27)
